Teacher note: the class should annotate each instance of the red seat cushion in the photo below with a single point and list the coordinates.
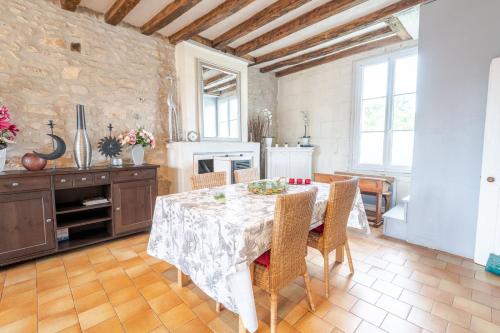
(319, 229)
(264, 259)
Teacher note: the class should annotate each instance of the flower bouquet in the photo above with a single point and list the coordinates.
(268, 187)
(139, 139)
(8, 132)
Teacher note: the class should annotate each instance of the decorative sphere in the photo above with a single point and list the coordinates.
(32, 162)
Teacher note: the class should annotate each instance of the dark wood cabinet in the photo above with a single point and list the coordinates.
(27, 224)
(36, 207)
(133, 204)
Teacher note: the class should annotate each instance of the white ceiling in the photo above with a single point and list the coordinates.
(146, 9)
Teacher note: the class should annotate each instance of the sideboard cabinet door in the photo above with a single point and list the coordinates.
(26, 224)
(133, 204)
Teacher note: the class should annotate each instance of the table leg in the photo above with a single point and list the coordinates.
(339, 254)
(182, 279)
(378, 211)
(387, 203)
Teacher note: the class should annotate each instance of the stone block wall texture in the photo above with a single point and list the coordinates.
(118, 76)
(262, 94)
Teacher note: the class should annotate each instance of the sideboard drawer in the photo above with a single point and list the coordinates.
(128, 175)
(101, 178)
(63, 181)
(83, 179)
(16, 184)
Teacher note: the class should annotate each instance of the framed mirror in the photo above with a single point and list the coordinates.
(219, 103)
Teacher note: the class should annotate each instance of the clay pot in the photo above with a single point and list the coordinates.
(32, 162)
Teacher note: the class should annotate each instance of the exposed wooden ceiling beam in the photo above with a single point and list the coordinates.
(117, 12)
(168, 14)
(215, 78)
(221, 12)
(351, 42)
(317, 14)
(398, 28)
(227, 49)
(268, 14)
(70, 4)
(341, 30)
(221, 86)
(339, 55)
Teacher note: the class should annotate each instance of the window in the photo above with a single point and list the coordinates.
(385, 112)
(221, 117)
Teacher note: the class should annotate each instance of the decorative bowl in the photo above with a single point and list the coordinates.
(268, 187)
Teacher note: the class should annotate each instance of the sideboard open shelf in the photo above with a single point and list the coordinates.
(39, 204)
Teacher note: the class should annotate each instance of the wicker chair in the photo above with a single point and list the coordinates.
(286, 259)
(208, 180)
(332, 234)
(246, 175)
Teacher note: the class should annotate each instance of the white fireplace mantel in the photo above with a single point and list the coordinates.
(180, 157)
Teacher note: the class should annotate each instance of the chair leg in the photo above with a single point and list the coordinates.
(326, 275)
(307, 282)
(274, 312)
(339, 254)
(349, 258)
(182, 279)
(218, 307)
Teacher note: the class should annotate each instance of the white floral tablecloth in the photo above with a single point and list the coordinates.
(210, 241)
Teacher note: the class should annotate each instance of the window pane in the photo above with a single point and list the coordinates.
(233, 109)
(209, 117)
(234, 128)
(405, 80)
(375, 80)
(222, 110)
(371, 149)
(404, 112)
(402, 148)
(373, 115)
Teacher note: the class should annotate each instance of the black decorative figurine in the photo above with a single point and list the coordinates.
(58, 146)
(110, 146)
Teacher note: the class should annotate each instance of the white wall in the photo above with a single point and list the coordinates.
(186, 63)
(326, 93)
(458, 40)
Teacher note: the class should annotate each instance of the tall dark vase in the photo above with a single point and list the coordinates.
(82, 149)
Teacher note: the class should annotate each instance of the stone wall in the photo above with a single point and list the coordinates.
(262, 94)
(117, 76)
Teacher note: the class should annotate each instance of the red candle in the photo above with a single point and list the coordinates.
(299, 181)
(291, 181)
(308, 181)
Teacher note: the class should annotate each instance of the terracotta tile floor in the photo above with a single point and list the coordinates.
(116, 287)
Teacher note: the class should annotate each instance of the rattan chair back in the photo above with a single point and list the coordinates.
(208, 180)
(292, 219)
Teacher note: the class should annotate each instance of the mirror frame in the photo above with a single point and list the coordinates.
(201, 64)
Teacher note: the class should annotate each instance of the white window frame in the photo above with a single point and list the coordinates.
(386, 167)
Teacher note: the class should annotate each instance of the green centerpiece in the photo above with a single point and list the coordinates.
(220, 197)
(268, 187)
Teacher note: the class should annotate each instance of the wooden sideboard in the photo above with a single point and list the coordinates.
(35, 205)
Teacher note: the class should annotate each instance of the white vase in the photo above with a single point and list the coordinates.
(138, 155)
(3, 158)
(269, 142)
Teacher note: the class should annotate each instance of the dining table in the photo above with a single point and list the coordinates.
(214, 242)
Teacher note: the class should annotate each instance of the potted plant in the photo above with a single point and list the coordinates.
(268, 120)
(8, 132)
(304, 141)
(139, 139)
